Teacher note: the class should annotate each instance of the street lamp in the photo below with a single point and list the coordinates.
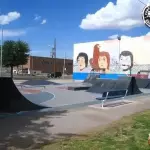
(52, 54)
(1, 50)
(119, 39)
(31, 61)
(64, 67)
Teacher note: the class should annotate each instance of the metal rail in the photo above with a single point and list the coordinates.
(107, 95)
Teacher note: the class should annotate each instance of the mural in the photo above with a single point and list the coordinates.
(111, 58)
(126, 61)
(82, 60)
(100, 61)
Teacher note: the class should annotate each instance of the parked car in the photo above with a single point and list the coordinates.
(55, 75)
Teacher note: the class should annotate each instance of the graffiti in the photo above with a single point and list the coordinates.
(126, 60)
(100, 61)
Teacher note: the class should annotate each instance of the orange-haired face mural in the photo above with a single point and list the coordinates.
(94, 60)
(104, 61)
(101, 60)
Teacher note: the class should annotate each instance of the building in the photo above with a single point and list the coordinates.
(112, 58)
(38, 65)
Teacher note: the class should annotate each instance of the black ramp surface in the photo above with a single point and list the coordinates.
(86, 84)
(133, 87)
(12, 100)
(122, 85)
(143, 83)
(39, 82)
(91, 79)
(79, 87)
(102, 85)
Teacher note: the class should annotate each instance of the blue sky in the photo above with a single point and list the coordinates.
(64, 20)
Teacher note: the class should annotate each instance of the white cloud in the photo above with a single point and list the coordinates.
(124, 36)
(116, 35)
(43, 21)
(37, 17)
(148, 33)
(12, 33)
(11, 16)
(125, 14)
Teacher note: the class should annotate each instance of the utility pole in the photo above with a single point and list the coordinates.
(64, 67)
(54, 54)
(31, 65)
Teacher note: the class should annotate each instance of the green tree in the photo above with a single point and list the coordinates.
(23, 50)
(15, 53)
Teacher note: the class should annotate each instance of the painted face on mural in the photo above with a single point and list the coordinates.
(102, 62)
(126, 60)
(82, 60)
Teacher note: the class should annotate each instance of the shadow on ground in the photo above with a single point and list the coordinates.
(26, 132)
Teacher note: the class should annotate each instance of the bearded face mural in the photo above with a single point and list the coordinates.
(101, 60)
(126, 60)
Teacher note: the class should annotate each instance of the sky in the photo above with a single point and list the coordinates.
(38, 22)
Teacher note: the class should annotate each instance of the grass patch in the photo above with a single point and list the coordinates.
(129, 133)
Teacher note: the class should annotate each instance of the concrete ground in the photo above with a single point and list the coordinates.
(27, 131)
(65, 97)
(62, 97)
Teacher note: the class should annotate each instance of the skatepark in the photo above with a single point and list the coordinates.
(37, 111)
(44, 95)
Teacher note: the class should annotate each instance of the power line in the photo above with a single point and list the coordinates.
(142, 2)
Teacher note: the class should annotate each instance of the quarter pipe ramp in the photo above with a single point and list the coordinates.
(116, 87)
(12, 100)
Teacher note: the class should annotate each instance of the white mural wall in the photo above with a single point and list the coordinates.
(113, 57)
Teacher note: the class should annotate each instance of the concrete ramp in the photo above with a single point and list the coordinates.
(12, 100)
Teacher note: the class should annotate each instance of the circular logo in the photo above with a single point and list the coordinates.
(146, 15)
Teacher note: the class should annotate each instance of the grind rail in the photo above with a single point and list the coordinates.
(103, 99)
